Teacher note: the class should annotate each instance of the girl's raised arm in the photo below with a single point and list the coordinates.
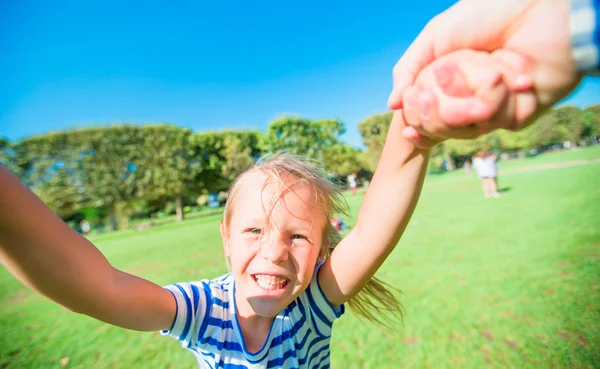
(383, 217)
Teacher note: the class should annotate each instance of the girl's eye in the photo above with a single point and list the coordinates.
(253, 230)
(299, 237)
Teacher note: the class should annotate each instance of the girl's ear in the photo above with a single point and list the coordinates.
(323, 251)
(225, 240)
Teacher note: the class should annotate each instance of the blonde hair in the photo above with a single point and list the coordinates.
(376, 297)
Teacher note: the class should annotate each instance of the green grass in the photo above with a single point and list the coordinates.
(512, 282)
(588, 153)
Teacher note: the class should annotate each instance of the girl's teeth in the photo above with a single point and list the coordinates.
(270, 282)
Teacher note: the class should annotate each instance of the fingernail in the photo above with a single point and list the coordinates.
(395, 97)
(411, 133)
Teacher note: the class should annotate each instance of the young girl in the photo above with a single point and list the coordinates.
(289, 279)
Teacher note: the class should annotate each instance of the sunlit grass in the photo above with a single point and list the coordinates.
(512, 282)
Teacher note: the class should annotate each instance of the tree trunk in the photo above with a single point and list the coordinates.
(179, 208)
(113, 217)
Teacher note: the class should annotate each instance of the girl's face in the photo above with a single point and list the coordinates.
(272, 263)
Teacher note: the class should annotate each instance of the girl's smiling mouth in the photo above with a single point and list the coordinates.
(270, 282)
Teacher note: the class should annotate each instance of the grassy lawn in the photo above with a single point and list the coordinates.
(512, 282)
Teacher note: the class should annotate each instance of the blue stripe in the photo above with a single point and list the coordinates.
(315, 308)
(303, 310)
(312, 344)
(324, 361)
(290, 308)
(176, 313)
(278, 362)
(208, 363)
(205, 353)
(194, 299)
(297, 343)
(207, 309)
(318, 352)
(218, 301)
(287, 334)
(221, 281)
(227, 345)
(300, 345)
(220, 323)
(188, 314)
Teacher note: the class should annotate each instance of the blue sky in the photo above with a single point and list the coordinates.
(204, 65)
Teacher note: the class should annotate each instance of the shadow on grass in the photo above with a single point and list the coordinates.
(504, 189)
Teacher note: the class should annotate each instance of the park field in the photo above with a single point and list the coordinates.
(512, 282)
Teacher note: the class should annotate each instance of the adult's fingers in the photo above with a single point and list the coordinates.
(445, 33)
(462, 111)
(410, 107)
(419, 54)
(515, 68)
(451, 79)
(425, 123)
(418, 108)
(471, 24)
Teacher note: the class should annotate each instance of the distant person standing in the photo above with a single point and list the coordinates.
(485, 168)
(352, 183)
(493, 158)
(468, 167)
(85, 226)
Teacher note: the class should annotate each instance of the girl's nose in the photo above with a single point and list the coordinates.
(275, 251)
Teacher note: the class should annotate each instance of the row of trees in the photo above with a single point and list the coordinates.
(567, 123)
(151, 165)
(130, 165)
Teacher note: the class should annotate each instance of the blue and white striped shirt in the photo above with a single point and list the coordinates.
(207, 325)
(584, 21)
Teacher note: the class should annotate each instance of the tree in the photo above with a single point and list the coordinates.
(226, 154)
(51, 168)
(573, 122)
(592, 115)
(463, 148)
(208, 150)
(168, 167)
(296, 135)
(110, 157)
(373, 131)
(546, 131)
(510, 141)
(238, 157)
(8, 157)
(342, 159)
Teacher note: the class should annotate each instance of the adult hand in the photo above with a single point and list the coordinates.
(536, 29)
